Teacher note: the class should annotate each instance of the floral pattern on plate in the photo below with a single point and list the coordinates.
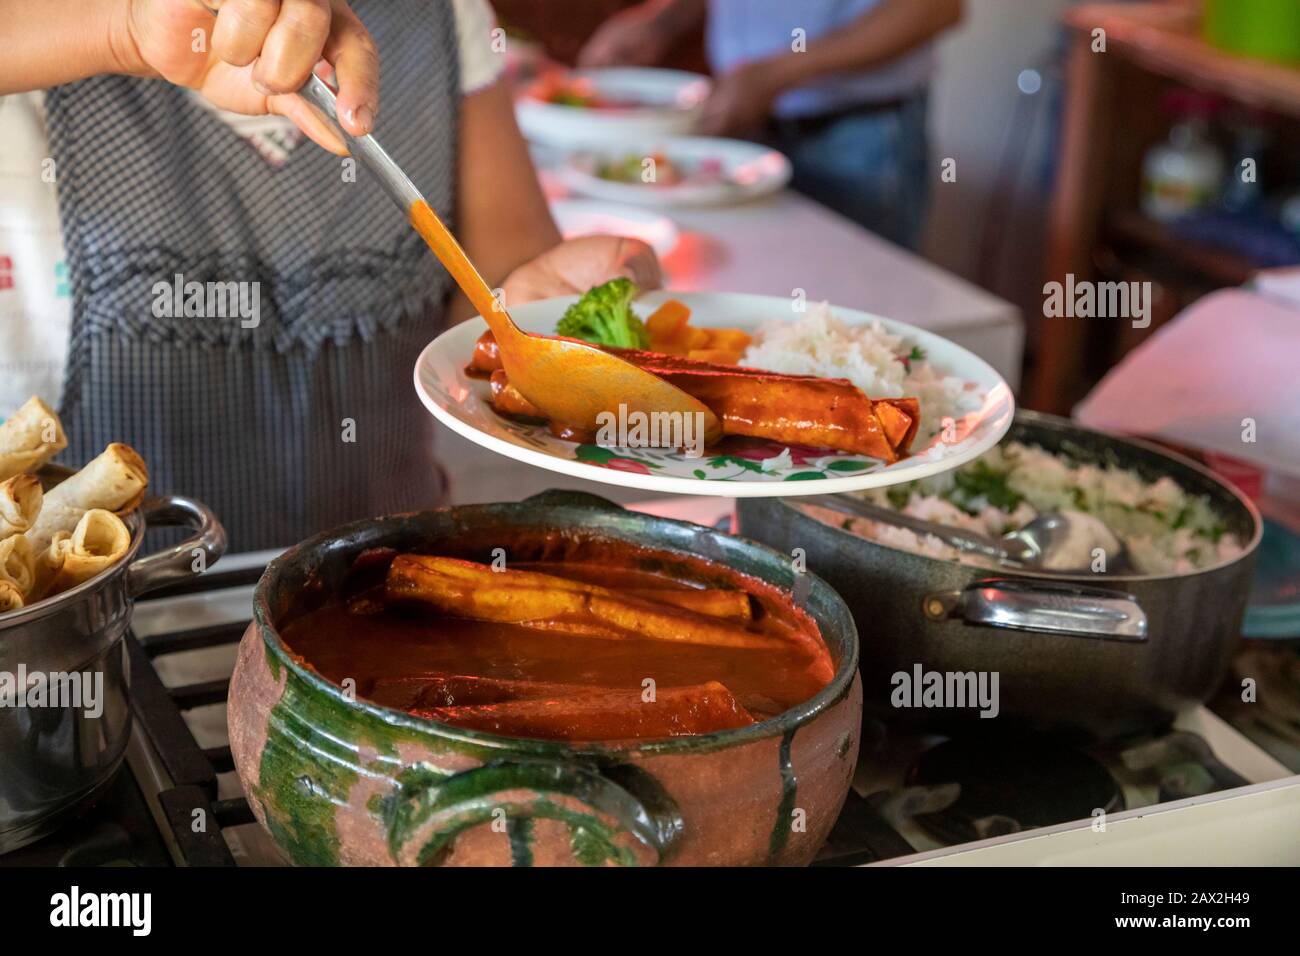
(737, 460)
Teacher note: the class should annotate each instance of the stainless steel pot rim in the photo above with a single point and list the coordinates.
(785, 722)
(50, 605)
(1040, 418)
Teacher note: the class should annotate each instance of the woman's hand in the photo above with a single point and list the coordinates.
(741, 101)
(253, 55)
(631, 37)
(576, 265)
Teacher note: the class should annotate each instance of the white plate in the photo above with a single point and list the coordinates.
(748, 171)
(673, 99)
(588, 217)
(461, 403)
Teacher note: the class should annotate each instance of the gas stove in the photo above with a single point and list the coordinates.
(1195, 792)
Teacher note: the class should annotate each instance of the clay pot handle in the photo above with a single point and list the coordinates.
(614, 804)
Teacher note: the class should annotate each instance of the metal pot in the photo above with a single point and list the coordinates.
(58, 757)
(1105, 653)
(339, 780)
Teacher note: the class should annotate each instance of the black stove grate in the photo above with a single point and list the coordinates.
(194, 814)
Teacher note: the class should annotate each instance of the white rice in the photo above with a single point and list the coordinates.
(869, 356)
(1166, 530)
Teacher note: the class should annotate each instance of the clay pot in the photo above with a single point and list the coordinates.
(342, 781)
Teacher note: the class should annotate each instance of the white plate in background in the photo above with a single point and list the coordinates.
(671, 106)
(745, 171)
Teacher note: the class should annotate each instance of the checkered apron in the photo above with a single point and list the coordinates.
(309, 419)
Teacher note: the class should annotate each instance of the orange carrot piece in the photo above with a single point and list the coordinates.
(730, 340)
(667, 319)
(695, 339)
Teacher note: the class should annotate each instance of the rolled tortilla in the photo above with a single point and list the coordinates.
(20, 503)
(99, 541)
(115, 481)
(10, 597)
(29, 438)
(18, 564)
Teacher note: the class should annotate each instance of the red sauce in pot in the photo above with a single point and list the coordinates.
(553, 679)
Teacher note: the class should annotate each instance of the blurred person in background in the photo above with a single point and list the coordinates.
(839, 86)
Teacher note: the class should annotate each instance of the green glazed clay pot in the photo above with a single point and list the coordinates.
(342, 781)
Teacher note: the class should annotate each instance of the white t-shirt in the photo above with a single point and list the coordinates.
(35, 294)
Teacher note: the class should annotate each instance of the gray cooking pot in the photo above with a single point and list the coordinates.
(57, 759)
(1105, 653)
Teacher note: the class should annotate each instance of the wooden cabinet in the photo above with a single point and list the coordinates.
(1095, 232)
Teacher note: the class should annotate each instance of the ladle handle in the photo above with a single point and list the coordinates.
(968, 541)
(413, 204)
(395, 182)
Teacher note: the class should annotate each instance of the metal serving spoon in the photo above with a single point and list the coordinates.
(572, 383)
(1036, 546)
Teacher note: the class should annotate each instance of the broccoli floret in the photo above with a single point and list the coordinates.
(604, 316)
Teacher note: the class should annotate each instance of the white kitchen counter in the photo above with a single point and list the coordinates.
(773, 246)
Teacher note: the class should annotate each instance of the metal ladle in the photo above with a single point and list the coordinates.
(571, 382)
(1035, 546)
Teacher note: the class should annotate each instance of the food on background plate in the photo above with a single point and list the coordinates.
(658, 170)
(582, 647)
(1164, 529)
(52, 540)
(577, 92)
(808, 410)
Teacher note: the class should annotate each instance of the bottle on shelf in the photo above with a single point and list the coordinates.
(1185, 172)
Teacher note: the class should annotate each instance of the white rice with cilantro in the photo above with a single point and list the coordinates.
(1166, 530)
(880, 363)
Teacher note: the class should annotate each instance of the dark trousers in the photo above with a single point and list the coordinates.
(870, 164)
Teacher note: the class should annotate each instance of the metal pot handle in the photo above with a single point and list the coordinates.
(1045, 607)
(177, 562)
(524, 789)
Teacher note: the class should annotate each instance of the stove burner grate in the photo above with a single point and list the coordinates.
(194, 814)
(1009, 783)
